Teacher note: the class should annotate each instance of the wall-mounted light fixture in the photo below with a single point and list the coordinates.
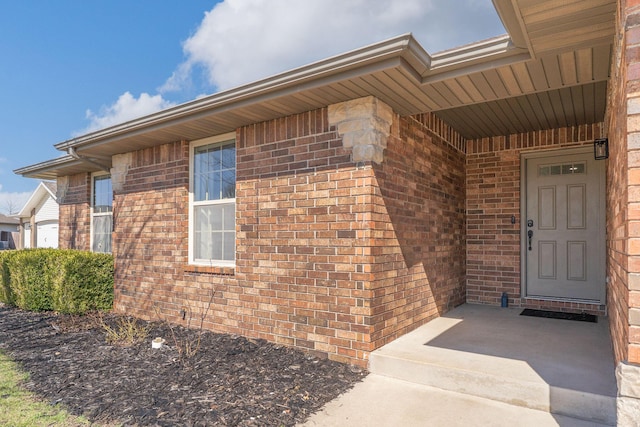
(601, 148)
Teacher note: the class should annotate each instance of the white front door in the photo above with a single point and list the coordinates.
(564, 226)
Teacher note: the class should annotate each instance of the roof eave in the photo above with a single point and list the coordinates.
(399, 52)
(271, 87)
(51, 169)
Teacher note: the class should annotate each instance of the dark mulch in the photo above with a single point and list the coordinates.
(230, 380)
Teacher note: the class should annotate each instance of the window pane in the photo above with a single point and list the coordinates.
(214, 174)
(229, 246)
(214, 186)
(216, 245)
(102, 226)
(214, 157)
(229, 214)
(102, 194)
(229, 157)
(214, 232)
(229, 184)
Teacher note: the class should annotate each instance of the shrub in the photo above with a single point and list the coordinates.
(67, 281)
(126, 331)
(30, 279)
(6, 295)
(83, 282)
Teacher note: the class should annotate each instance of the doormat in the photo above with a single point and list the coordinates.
(581, 317)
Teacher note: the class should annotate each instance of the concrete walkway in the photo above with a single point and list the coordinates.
(482, 365)
(381, 401)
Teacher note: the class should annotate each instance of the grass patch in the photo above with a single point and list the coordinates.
(20, 408)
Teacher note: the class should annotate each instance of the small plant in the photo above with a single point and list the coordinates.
(127, 331)
(187, 348)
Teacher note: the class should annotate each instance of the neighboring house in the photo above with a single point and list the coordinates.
(340, 205)
(39, 218)
(8, 232)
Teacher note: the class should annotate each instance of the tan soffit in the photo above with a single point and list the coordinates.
(550, 70)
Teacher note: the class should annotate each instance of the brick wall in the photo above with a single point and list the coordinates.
(623, 187)
(493, 196)
(74, 198)
(297, 266)
(623, 209)
(150, 232)
(418, 228)
(298, 200)
(617, 206)
(333, 257)
(631, 76)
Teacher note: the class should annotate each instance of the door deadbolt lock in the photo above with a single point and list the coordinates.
(530, 223)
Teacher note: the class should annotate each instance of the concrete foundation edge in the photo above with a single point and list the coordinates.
(539, 396)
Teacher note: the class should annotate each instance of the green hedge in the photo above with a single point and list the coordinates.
(66, 281)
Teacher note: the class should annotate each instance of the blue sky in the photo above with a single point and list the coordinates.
(71, 66)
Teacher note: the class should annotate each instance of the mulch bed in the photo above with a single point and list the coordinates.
(230, 380)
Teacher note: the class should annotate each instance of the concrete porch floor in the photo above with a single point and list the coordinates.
(487, 363)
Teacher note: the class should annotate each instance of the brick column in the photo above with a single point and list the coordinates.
(623, 209)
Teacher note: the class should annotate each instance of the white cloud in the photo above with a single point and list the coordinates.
(12, 202)
(240, 41)
(126, 108)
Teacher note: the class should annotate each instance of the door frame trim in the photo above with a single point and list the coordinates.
(601, 245)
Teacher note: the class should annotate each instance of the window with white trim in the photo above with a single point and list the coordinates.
(101, 213)
(212, 201)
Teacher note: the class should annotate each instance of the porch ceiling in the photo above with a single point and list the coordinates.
(550, 70)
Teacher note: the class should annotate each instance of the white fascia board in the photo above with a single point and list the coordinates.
(36, 196)
(38, 169)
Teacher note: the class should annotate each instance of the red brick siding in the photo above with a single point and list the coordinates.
(151, 234)
(299, 204)
(617, 208)
(296, 269)
(332, 257)
(74, 199)
(623, 181)
(493, 196)
(418, 228)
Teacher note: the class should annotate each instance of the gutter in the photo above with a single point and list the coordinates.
(72, 152)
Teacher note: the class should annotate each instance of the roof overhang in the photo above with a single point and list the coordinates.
(514, 83)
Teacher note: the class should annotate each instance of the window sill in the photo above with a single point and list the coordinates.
(203, 269)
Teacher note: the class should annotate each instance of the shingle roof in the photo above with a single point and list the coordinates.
(52, 186)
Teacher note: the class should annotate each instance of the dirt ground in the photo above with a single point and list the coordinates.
(227, 380)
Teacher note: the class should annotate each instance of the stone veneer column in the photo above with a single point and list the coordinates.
(119, 168)
(364, 125)
(62, 185)
(628, 401)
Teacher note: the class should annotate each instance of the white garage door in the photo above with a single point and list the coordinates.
(47, 236)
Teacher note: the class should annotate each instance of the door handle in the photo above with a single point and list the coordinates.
(530, 235)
